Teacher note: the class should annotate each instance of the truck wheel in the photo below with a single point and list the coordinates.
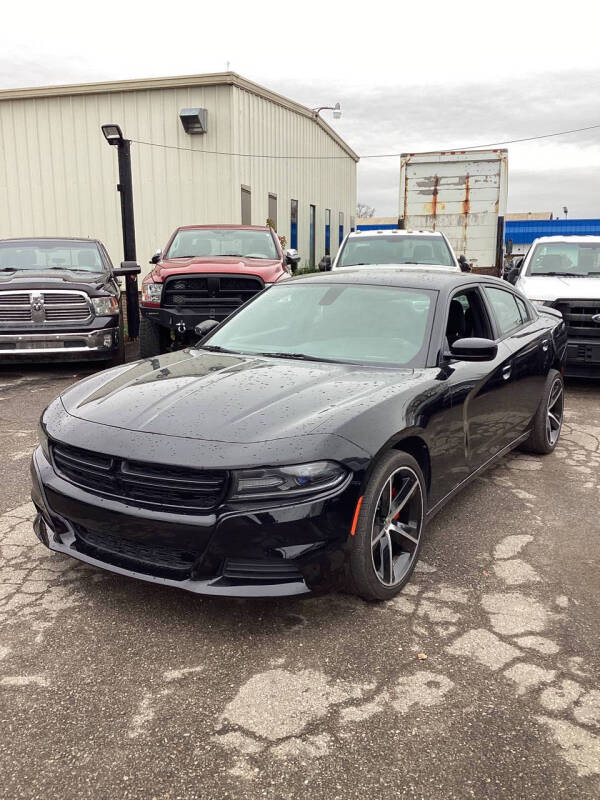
(118, 356)
(154, 340)
(547, 423)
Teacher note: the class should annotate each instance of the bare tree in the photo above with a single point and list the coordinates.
(363, 211)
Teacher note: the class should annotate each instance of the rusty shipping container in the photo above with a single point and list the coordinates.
(462, 194)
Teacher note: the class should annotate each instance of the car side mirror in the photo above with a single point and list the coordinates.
(513, 272)
(325, 264)
(473, 349)
(292, 258)
(127, 268)
(203, 328)
(464, 264)
(156, 257)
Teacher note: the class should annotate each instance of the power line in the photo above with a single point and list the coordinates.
(377, 155)
(498, 144)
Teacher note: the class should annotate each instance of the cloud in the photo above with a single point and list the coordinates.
(545, 174)
(381, 118)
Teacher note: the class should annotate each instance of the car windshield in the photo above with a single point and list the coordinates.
(395, 248)
(40, 255)
(204, 242)
(565, 258)
(334, 322)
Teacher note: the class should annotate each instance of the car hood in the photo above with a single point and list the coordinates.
(269, 270)
(55, 279)
(228, 398)
(548, 287)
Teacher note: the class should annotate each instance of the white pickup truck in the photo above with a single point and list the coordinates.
(563, 272)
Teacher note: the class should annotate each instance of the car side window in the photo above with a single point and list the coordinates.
(467, 317)
(525, 315)
(505, 309)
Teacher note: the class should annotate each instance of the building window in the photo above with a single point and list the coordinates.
(294, 224)
(327, 231)
(273, 210)
(341, 228)
(246, 206)
(312, 236)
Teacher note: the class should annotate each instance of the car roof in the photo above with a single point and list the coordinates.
(397, 231)
(224, 227)
(52, 239)
(406, 277)
(567, 239)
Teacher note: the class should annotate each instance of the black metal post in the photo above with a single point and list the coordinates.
(125, 188)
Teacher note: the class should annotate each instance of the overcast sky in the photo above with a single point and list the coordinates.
(408, 77)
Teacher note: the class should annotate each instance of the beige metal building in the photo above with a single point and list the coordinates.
(261, 156)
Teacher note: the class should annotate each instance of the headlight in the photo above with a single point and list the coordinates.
(43, 439)
(284, 482)
(541, 302)
(151, 292)
(105, 305)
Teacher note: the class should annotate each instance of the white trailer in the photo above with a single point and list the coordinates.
(462, 194)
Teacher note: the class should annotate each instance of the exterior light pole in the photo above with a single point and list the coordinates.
(114, 136)
(337, 110)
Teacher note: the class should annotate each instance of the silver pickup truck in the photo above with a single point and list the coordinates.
(563, 272)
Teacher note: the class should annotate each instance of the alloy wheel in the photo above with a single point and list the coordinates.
(554, 412)
(396, 527)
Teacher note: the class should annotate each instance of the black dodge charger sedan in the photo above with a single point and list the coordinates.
(304, 442)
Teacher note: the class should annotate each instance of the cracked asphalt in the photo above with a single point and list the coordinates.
(479, 680)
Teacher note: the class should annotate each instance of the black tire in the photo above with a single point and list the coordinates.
(547, 423)
(153, 339)
(118, 356)
(372, 549)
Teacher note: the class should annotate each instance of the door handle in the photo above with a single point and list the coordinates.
(545, 345)
(506, 371)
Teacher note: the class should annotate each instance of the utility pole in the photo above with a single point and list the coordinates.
(114, 136)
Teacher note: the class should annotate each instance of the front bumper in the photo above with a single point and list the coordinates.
(583, 358)
(278, 550)
(185, 320)
(63, 344)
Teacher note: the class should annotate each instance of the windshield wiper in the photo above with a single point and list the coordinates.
(296, 356)
(215, 348)
(8, 269)
(557, 275)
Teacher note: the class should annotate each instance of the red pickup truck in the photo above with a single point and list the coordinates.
(206, 272)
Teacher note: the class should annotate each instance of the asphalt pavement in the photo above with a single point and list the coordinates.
(479, 680)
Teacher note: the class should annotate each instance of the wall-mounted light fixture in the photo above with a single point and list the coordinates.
(194, 120)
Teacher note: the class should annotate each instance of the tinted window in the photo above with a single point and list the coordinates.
(525, 315)
(505, 308)
(395, 249)
(365, 324)
(467, 317)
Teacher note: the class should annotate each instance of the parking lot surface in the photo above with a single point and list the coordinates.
(479, 680)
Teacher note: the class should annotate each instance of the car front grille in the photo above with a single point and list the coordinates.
(577, 315)
(44, 306)
(150, 559)
(213, 294)
(157, 486)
